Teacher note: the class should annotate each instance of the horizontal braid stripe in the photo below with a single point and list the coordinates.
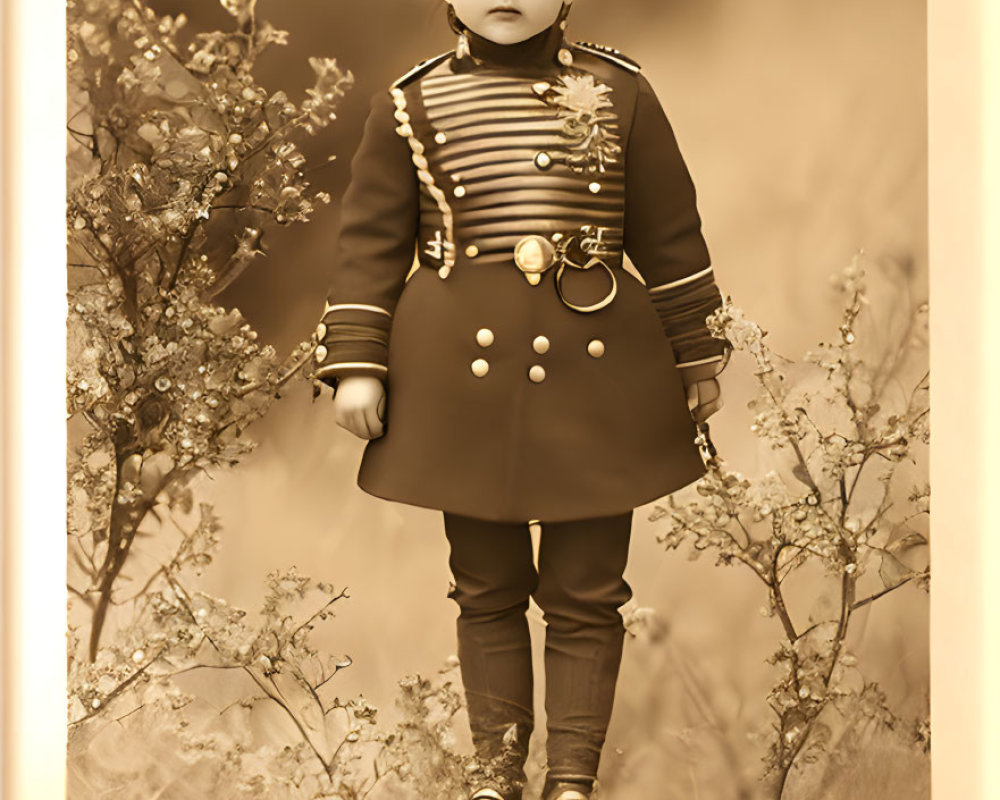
(681, 281)
(708, 360)
(329, 370)
(355, 307)
(438, 84)
(688, 293)
(569, 183)
(477, 124)
(507, 168)
(502, 202)
(473, 96)
(562, 201)
(445, 112)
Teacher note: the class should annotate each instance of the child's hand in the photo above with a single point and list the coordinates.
(359, 405)
(704, 398)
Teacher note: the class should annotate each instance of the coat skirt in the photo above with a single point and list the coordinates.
(597, 435)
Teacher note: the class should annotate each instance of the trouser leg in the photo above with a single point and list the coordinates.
(581, 587)
(493, 567)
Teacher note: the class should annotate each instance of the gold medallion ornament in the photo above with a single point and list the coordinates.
(583, 106)
(533, 255)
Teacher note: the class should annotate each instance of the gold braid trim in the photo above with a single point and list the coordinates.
(420, 161)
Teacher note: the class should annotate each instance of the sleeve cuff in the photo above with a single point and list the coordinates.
(353, 339)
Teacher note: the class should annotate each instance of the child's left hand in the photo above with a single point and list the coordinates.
(704, 398)
(703, 392)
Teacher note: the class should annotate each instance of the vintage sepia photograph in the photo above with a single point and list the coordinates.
(497, 400)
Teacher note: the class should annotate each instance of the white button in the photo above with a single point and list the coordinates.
(536, 373)
(459, 191)
(565, 57)
(472, 251)
(540, 344)
(440, 137)
(595, 347)
(320, 353)
(480, 367)
(321, 331)
(595, 187)
(543, 160)
(484, 336)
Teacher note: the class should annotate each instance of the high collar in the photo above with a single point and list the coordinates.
(541, 50)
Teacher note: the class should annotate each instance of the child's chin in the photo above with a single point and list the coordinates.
(506, 32)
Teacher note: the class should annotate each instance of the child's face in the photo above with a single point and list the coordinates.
(507, 21)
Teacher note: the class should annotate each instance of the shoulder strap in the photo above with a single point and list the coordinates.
(608, 54)
(419, 69)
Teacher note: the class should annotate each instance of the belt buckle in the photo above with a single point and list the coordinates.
(533, 255)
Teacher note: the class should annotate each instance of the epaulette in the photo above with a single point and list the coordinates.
(609, 54)
(420, 69)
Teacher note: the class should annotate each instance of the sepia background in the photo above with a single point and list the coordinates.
(803, 125)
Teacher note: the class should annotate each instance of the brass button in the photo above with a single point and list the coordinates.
(321, 331)
(540, 344)
(565, 57)
(440, 137)
(459, 191)
(595, 347)
(543, 160)
(484, 337)
(537, 373)
(595, 187)
(321, 353)
(472, 251)
(480, 367)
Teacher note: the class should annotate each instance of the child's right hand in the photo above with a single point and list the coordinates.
(359, 405)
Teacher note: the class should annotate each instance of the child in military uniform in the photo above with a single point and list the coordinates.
(482, 333)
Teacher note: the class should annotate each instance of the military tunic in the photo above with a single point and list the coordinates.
(478, 273)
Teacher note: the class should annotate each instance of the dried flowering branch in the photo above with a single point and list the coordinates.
(176, 632)
(845, 425)
(178, 163)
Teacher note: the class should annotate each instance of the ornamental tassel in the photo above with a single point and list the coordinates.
(462, 49)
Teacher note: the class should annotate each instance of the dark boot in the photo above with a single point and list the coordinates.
(567, 790)
(496, 772)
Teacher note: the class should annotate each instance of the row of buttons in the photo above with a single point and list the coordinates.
(540, 344)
